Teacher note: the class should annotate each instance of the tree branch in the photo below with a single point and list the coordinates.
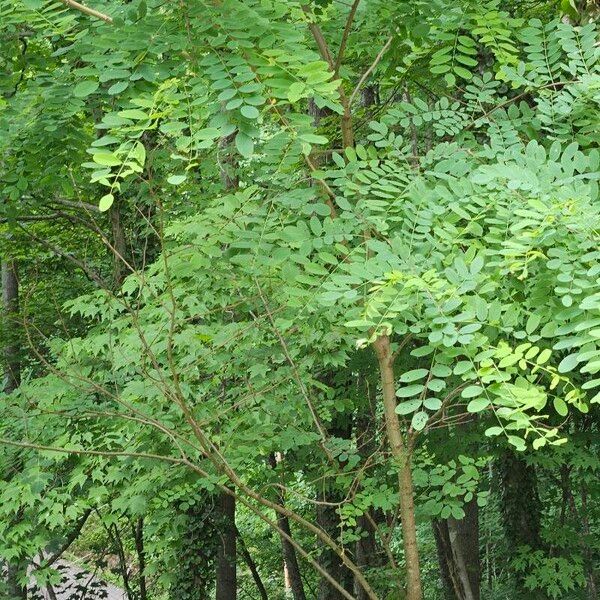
(320, 40)
(344, 42)
(87, 11)
(370, 70)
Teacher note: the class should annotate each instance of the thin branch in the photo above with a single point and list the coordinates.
(78, 204)
(344, 42)
(87, 11)
(103, 453)
(70, 539)
(320, 40)
(370, 70)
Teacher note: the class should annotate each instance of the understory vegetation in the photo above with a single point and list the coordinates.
(301, 299)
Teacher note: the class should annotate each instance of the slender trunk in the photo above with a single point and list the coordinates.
(347, 127)
(119, 244)
(329, 521)
(292, 574)
(260, 586)
(328, 517)
(12, 377)
(590, 577)
(141, 555)
(368, 552)
(10, 305)
(197, 549)
(226, 575)
(402, 457)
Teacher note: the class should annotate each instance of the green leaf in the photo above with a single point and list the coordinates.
(134, 114)
(472, 391)
(405, 408)
(410, 390)
(478, 405)
(106, 202)
(107, 159)
(560, 406)
(544, 356)
(176, 179)
(313, 139)
(493, 431)
(568, 363)
(413, 375)
(432, 403)
(118, 87)
(419, 420)
(250, 112)
(244, 144)
(85, 88)
(462, 72)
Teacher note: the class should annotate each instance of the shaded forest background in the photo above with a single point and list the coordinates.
(300, 299)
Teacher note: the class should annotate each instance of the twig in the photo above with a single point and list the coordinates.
(88, 11)
(370, 70)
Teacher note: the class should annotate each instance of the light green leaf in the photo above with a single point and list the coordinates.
(106, 202)
(405, 408)
(472, 391)
(250, 112)
(568, 363)
(419, 420)
(478, 405)
(560, 406)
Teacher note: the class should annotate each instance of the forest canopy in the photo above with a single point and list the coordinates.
(301, 299)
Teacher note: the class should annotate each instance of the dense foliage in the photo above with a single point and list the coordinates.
(301, 299)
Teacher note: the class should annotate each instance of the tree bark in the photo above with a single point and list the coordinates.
(260, 586)
(12, 377)
(226, 574)
(292, 574)
(138, 532)
(590, 576)
(368, 552)
(521, 520)
(402, 457)
(119, 244)
(457, 542)
(10, 305)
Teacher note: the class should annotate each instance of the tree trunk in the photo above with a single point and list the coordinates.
(368, 552)
(138, 532)
(457, 542)
(119, 244)
(226, 575)
(260, 586)
(10, 305)
(521, 520)
(590, 576)
(402, 457)
(329, 520)
(12, 376)
(292, 574)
